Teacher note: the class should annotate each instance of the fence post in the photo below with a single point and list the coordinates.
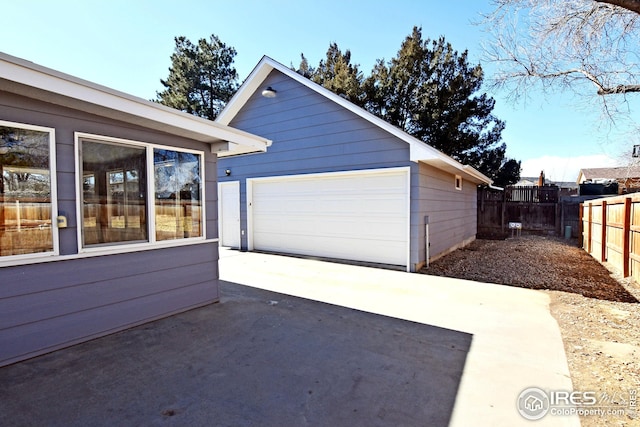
(589, 227)
(603, 233)
(580, 224)
(562, 207)
(504, 206)
(626, 237)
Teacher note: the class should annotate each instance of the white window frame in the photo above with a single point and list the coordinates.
(458, 182)
(53, 182)
(120, 247)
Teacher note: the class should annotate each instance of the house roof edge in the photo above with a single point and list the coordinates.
(422, 151)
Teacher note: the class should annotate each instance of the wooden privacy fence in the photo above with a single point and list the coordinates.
(540, 210)
(611, 232)
(532, 194)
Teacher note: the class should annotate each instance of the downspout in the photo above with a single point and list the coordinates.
(426, 241)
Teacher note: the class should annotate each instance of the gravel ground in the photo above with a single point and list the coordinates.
(597, 311)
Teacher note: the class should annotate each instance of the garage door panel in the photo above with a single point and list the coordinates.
(354, 228)
(370, 251)
(349, 216)
(348, 227)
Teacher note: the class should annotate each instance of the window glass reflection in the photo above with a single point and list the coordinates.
(25, 191)
(178, 189)
(114, 193)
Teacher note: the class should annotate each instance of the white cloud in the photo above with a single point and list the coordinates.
(565, 168)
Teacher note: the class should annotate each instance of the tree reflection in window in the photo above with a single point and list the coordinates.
(114, 198)
(178, 188)
(25, 191)
(114, 193)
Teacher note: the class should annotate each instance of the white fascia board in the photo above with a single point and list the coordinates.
(477, 175)
(244, 92)
(233, 149)
(422, 152)
(63, 85)
(419, 150)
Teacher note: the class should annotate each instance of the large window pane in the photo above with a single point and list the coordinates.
(178, 191)
(25, 192)
(114, 193)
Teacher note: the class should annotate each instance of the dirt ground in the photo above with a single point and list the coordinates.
(598, 312)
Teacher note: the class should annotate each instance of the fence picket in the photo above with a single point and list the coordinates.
(538, 209)
(626, 237)
(619, 229)
(603, 234)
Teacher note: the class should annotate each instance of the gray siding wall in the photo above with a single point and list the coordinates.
(310, 134)
(49, 305)
(452, 213)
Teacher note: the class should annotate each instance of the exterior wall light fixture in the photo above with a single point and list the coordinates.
(269, 92)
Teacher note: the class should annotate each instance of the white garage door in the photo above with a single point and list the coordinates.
(361, 216)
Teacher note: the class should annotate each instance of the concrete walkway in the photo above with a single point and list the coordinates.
(516, 343)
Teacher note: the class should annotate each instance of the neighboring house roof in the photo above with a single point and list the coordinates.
(565, 184)
(34, 81)
(594, 174)
(526, 182)
(419, 150)
(531, 181)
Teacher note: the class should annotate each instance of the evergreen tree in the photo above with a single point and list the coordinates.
(430, 91)
(508, 174)
(304, 68)
(336, 73)
(201, 79)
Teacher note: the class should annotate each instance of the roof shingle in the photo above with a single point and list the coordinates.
(611, 173)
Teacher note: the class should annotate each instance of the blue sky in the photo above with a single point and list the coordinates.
(126, 45)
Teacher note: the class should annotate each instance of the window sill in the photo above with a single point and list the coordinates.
(103, 251)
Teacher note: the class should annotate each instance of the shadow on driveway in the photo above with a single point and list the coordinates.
(256, 358)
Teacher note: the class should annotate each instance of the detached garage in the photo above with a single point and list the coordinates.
(337, 182)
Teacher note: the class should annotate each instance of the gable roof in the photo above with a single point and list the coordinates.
(419, 150)
(608, 173)
(37, 82)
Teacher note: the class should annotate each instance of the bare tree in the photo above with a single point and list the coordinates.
(587, 46)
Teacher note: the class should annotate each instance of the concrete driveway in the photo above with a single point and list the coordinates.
(362, 347)
(516, 343)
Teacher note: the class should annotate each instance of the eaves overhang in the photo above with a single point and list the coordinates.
(37, 82)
